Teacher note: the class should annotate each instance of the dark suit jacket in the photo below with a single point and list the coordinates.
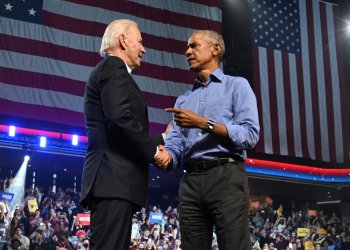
(119, 148)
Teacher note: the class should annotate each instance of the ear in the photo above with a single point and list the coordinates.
(121, 41)
(216, 49)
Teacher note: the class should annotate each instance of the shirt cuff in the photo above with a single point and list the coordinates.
(156, 154)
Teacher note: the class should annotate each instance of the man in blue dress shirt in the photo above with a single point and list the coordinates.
(214, 124)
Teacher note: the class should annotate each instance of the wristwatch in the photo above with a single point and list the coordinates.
(210, 126)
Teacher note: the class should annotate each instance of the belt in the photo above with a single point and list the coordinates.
(201, 165)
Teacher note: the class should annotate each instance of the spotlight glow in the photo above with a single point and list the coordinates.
(17, 185)
(75, 140)
(12, 131)
(42, 143)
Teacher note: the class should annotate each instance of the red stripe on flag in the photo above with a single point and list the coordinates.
(257, 89)
(159, 101)
(165, 73)
(154, 14)
(288, 104)
(90, 59)
(49, 50)
(328, 84)
(42, 113)
(156, 128)
(41, 81)
(273, 101)
(302, 107)
(207, 2)
(90, 28)
(313, 81)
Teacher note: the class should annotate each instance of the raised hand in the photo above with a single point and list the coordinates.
(163, 158)
(187, 118)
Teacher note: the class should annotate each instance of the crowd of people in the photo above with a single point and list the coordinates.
(53, 224)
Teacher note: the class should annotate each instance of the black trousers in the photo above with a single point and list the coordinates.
(110, 223)
(215, 197)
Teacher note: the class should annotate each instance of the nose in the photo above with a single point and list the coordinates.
(143, 50)
(188, 52)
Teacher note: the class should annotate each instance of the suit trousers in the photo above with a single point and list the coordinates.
(218, 198)
(110, 223)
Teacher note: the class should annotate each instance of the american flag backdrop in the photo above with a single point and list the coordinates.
(299, 79)
(49, 47)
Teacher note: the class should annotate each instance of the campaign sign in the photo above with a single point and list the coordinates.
(6, 196)
(84, 219)
(155, 217)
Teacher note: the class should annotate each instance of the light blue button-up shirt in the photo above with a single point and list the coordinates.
(224, 99)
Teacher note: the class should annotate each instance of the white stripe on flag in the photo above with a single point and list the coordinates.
(306, 78)
(44, 65)
(295, 105)
(43, 97)
(81, 73)
(281, 107)
(159, 116)
(338, 129)
(265, 99)
(321, 90)
(94, 14)
(55, 99)
(83, 42)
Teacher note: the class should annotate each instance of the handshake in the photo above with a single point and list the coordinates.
(163, 159)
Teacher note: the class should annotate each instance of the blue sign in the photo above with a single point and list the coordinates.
(155, 217)
(6, 196)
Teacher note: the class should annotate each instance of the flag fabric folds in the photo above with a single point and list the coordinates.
(49, 47)
(299, 81)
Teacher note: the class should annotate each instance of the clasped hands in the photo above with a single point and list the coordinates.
(183, 118)
(163, 158)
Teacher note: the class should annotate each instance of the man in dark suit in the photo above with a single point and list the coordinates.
(115, 175)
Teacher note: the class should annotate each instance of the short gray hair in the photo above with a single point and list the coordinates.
(214, 38)
(113, 31)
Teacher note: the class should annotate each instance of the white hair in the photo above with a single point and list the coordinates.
(112, 32)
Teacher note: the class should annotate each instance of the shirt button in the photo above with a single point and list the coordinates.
(202, 102)
(199, 134)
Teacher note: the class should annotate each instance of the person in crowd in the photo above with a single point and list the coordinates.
(299, 244)
(214, 124)
(38, 242)
(85, 246)
(80, 236)
(115, 173)
(145, 235)
(15, 244)
(25, 242)
(59, 221)
(177, 244)
(34, 221)
(21, 219)
(150, 245)
(141, 246)
(62, 242)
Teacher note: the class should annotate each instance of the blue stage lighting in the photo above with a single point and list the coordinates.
(75, 140)
(42, 143)
(26, 157)
(12, 131)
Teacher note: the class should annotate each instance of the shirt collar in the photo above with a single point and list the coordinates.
(128, 68)
(216, 76)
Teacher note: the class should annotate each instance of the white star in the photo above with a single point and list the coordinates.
(8, 6)
(32, 12)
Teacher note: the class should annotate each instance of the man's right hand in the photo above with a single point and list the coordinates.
(163, 158)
